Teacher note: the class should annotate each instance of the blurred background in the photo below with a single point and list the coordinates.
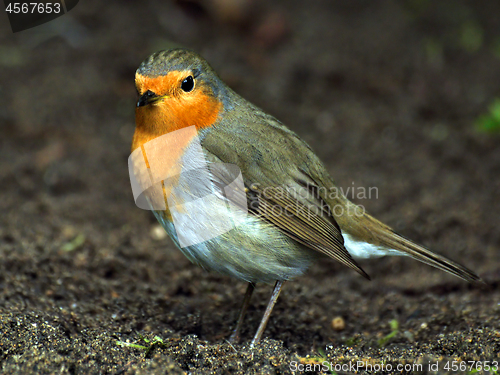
(403, 96)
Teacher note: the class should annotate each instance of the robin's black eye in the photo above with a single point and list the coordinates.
(188, 84)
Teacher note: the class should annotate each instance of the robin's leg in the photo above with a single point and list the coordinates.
(235, 336)
(267, 314)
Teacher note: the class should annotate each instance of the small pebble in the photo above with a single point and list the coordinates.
(338, 323)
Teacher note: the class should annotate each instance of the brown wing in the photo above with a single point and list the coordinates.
(311, 224)
(297, 211)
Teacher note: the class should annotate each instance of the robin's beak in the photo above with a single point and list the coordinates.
(149, 97)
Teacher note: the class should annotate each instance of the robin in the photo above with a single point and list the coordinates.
(291, 213)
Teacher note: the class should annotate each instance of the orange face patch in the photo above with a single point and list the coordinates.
(179, 110)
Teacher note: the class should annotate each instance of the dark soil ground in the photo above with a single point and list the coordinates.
(386, 92)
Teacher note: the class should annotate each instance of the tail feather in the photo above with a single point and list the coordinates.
(395, 241)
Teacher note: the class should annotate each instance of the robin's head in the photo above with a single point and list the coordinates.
(177, 88)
